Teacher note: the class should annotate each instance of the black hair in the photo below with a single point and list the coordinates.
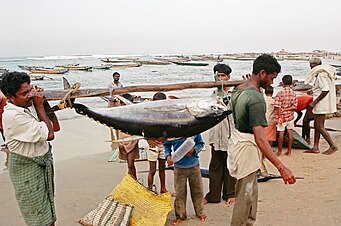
(116, 73)
(12, 81)
(222, 68)
(159, 96)
(128, 96)
(267, 63)
(287, 80)
(269, 90)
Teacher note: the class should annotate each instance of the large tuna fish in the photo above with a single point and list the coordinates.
(164, 119)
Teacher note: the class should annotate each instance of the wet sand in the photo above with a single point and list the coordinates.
(84, 177)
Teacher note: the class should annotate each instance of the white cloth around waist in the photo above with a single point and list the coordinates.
(244, 156)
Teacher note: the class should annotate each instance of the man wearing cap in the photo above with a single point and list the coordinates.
(322, 77)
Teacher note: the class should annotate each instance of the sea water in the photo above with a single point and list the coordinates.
(144, 75)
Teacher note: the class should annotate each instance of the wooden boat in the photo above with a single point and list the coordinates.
(152, 62)
(37, 77)
(336, 65)
(44, 70)
(126, 65)
(103, 67)
(76, 67)
(190, 63)
(108, 60)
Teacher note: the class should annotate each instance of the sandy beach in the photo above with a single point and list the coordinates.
(84, 177)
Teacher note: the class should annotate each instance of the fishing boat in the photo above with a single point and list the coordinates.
(190, 63)
(76, 67)
(152, 62)
(37, 77)
(336, 65)
(126, 65)
(103, 67)
(44, 70)
(108, 60)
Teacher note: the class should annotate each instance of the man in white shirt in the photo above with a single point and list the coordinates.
(27, 128)
(324, 102)
(115, 82)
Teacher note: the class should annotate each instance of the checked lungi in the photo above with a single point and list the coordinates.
(33, 182)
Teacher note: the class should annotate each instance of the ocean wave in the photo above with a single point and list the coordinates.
(71, 57)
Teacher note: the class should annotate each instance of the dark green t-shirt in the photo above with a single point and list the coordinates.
(249, 107)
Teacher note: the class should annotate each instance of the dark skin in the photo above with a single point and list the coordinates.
(152, 170)
(262, 79)
(319, 122)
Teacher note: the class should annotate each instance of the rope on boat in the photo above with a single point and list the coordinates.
(63, 104)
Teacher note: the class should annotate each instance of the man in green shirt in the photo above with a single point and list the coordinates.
(248, 139)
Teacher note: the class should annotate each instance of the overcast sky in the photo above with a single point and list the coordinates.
(71, 27)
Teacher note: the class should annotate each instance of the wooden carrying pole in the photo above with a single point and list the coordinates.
(59, 94)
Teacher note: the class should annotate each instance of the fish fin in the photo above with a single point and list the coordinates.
(66, 84)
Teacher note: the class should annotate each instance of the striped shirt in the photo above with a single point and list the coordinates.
(284, 99)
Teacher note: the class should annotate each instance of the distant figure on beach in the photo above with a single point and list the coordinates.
(187, 168)
(324, 102)
(248, 140)
(28, 125)
(285, 105)
(270, 130)
(221, 184)
(303, 103)
(156, 152)
(115, 83)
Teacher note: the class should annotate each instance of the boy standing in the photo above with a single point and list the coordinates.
(155, 153)
(187, 168)
(285, 105)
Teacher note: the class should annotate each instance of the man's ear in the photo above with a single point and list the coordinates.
(262, 73)
(10, 98)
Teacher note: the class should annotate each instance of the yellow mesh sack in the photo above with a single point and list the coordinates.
(149, 208)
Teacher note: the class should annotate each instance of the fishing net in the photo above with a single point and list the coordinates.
(149, 208)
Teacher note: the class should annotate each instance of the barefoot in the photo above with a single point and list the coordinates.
(288, 153)
(279, 154)
(163, 191)
(312, 151)
(230, 201)
(177, 221)
(203, 217)
(330, 150)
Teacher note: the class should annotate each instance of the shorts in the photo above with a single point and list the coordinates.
(129, 147)
(155, 153)
(288, 125)
(270, 132)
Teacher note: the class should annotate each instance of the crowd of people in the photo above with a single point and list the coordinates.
(239, 144)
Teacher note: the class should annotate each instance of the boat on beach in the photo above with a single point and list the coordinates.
(189, 63)
(43, 70)
(75, 67)
(102, 67)
(108, 60)
(126, 65)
